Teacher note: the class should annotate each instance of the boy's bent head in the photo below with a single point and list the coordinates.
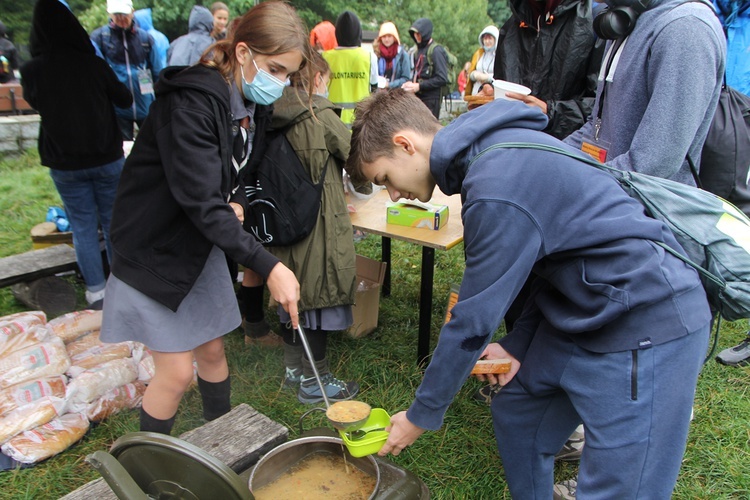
(378, 120)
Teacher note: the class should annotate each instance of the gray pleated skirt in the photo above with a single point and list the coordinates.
(208, 311)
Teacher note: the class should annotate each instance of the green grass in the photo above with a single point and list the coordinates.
(458, 461)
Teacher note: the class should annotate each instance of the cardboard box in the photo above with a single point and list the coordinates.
(370, 276)
(414, 213)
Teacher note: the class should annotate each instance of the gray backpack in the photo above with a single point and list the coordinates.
(714, 233)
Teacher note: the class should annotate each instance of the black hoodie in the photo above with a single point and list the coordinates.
(431, 75)
(73, 90)
(172, 201)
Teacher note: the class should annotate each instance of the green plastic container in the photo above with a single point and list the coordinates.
(370, 437)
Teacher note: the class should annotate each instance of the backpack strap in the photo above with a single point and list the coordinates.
(622, 178)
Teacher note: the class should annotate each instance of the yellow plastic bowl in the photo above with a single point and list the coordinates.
(372, 438)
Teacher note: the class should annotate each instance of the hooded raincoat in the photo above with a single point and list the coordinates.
(482, 61)
(400, 71)
(735, 17)
(132, 66)
(161, 42)
(431, 75)
(187, 49)
(558, 58)
(324, 262)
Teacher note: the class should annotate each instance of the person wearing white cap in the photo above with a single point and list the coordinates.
(128, 49)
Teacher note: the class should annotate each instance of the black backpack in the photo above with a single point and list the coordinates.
(725, 158)
(283, 202)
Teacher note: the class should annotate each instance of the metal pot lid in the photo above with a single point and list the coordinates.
(165, 465)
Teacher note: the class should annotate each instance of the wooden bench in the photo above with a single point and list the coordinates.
(238, 439)
(12, 101)
(35, 264)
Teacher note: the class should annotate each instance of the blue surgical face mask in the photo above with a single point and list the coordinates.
(264, 89)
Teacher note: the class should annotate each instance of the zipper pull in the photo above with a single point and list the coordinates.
(597, 128)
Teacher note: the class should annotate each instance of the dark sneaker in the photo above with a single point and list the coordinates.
(573, 447)
(336, 390)
(487, 393)
(565, 490)
(292, 377)
(738, 355)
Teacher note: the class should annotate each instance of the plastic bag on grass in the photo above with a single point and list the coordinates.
(45, 359)
(47, 440)
(146, 367)
(83, 343)
(22, 340)
(15, 324)
(97, 356)
(72, 325)
(93, 383)
(29, 416)
(115, 400)
(41, 315)
(28, 392)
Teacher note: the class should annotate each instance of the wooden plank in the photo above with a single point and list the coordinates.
(34, 264)
(238, 439)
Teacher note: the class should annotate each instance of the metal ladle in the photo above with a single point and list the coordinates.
(345, 426)
(303, 338)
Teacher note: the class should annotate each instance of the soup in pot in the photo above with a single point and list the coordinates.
(320, 475)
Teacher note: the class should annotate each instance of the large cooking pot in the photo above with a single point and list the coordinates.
(285, 456)
(392, 481)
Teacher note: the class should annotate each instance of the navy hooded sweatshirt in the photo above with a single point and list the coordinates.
(598, 279)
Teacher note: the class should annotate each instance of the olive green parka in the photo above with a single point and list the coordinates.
(324, 262)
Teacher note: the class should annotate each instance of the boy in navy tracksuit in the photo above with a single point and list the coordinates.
(614, 332)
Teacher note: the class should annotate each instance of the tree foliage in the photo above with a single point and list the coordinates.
(457, 22)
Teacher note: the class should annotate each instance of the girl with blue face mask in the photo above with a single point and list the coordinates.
(180, 206)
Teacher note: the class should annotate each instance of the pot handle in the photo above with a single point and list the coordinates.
(317, 408)
(122, 484)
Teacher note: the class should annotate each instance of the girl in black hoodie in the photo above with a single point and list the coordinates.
(180, 207)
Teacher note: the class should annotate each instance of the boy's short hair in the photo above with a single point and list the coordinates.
(377, 119)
